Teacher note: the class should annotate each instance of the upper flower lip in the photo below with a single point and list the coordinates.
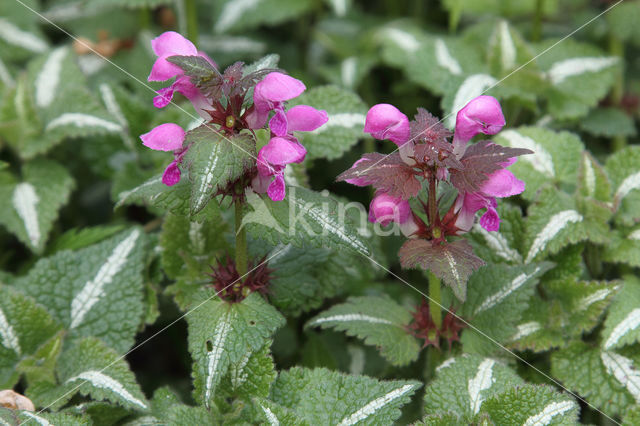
(276, 87)
(384, 121)
(165, 137)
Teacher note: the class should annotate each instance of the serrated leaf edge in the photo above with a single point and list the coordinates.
(102, 381)
(629, 323)
(549, 412)
(373, 406)
(556, 223)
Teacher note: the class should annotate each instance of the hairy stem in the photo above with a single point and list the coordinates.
(241, 241)
(191, 11)
(435, 299)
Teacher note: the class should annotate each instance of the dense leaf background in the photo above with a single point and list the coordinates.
(106, 312)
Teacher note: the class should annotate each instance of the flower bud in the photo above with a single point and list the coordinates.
(385, 209)
(481, 115)
(385, 121)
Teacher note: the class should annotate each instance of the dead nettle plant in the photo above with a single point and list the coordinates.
(432, 286)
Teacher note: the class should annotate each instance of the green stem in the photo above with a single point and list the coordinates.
(435, 299)
(536, 31)
(191, 11)
(145, 18)
(454, 16)
(432, 203)
(616, 48)
(241, 242)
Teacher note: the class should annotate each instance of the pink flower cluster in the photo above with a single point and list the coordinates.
(283, 148)
(170, 136)
(270, 95)
(481, 115)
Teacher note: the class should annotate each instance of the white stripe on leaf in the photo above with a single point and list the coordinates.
(624, 371)
(629, 323)
(25, 201)
(5, 76)
(444, 58)
(635, 235)
(589, 176)
(556, 224)
(232, 13)
(504, 292)
(14, 35)
(48, 78)
(271, 418)
(445, 364)
(472, 87)
(8, 335)
(499, 244)
(550, 411)
(507, 47)
(629, 184)
(41, 421)
(346, 119)
(406, 41)
(526, 329)
(348, 69)
(102, 381)
(329, 224)
(482, 381)
(350, 318)
(592, 298)
(564, 69)
(214, 356)
(93, 290)
(81, 120)
(540, 160)
(205, 184)
(375, 405)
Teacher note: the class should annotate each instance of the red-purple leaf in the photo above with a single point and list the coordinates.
(452, 262)
(426, 127)
(479, 161)
(386, 173)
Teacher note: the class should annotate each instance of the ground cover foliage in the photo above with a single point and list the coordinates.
(234, 278)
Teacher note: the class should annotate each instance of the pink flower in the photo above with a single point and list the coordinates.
(270, 95)
(385, 121)
(167, 137)
(164, 46)
(385, 209)
(272, 160)
(501, 183)
(481, 115)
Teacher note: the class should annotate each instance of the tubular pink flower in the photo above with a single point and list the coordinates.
(272, 161)
(165, 45)
(167, 137)
(170, 44)
(385, 209)
(481, 115)
(270, 95)
(385, 121)
(501, 183)
(171, 174)
(304, 118)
